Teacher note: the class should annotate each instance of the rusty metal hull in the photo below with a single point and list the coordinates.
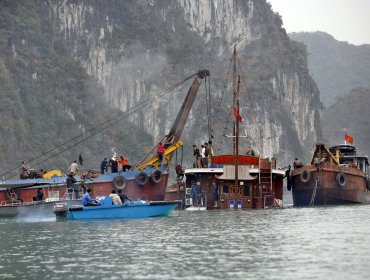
(329, 184)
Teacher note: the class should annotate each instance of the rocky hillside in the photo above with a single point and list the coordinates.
(68, 65)
(337, 67)
(350, 113)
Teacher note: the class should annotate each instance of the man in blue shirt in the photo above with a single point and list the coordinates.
(40, 195)
(87, 200)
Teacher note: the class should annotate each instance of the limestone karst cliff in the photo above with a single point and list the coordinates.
(133, 49)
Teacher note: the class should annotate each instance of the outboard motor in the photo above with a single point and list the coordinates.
(61, 211)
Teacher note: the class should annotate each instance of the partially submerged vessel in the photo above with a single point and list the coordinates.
(231, 180)
(336, 175)
(107, 210)
(147, 180)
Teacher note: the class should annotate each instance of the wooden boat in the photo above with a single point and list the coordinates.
(260, 184)
(335, 176)
(147, 180)
(231, 180)
(106, 210)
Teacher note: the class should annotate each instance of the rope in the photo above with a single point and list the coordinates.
(314, 192)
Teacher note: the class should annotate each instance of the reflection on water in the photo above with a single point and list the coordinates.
(290, 243)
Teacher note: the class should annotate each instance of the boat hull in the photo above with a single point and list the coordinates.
(133, 210)
(34, 210)
(101, 185)
(329, 185)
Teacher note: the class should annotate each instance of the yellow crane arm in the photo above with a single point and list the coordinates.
(166, 156)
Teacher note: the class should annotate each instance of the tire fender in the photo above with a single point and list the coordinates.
(156, 176)
(119, 182)
(305, 176)
(142, 178)
(341, 179)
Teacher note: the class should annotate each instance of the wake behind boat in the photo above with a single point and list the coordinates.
(106, 210)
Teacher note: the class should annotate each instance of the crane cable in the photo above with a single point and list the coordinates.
(100, 127)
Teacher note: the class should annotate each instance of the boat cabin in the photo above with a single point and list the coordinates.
(346, 155)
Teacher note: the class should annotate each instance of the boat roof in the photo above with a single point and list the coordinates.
(220, 170)
(18, 183)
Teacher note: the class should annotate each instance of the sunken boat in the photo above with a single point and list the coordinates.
(239, 180)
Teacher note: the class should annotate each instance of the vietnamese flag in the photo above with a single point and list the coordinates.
(237, 116)
(348, 138)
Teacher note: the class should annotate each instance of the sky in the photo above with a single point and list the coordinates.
(345, 20)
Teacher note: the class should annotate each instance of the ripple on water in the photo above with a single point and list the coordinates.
(290, 243)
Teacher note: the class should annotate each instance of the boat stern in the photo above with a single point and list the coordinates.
(61, 211)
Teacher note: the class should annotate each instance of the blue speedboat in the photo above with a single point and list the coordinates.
(106, 210)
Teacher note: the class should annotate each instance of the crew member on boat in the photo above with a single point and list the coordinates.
(39, 195)
(160, 152)
(87, 200)
(297, 163)
(25, 170)
(71, 186)
(115, 197)
(73, 168)
(104, 166)
(122, 196)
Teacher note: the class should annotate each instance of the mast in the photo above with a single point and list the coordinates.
(236, 87)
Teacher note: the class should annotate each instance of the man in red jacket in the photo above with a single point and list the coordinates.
(160, 152)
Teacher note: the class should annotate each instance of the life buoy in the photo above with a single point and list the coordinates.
(341, 179)
(156, 176)
(305, 176)
(142, 178)
(119, 182)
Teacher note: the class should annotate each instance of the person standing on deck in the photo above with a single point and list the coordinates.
(73, 168)
(71, 186)
(114, 164)
(195, 155)
(160, 152)
(198, 157)
(297, 163)
(104, 166)
(25, 171)
(123, 161)
(250, 151)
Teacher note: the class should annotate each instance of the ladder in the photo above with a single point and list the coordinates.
(265, 176)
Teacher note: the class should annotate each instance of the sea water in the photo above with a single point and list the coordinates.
(289, 243)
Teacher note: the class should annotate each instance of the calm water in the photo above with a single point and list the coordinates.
(290, 243)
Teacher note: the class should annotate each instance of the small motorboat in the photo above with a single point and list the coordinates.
(106, 210)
